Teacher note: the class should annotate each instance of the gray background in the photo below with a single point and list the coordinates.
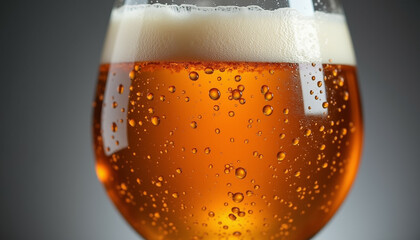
(49, 54)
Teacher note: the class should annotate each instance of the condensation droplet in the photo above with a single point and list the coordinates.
(269, 96)
(240, 173)
(193, 124)
(114, 127)
(325, 105)
(155, 120)
(238, 197)
(281, 156)
(120, 89)
(214, 93)
(209, 70)
(267, 110)
(171, 89)
(150, 96)
(236, 94)
(193, 76)
(211, 214)
(217, 130)
(132, 122)
(238, 78)
(264, 89)
(207, 150)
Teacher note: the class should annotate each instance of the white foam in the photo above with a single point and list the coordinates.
(187, 33)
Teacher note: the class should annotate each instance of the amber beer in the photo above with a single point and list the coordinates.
(214, 149)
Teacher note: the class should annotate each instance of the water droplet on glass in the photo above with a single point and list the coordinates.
(171, 89)
(194, 76)
(214, 93)
(281, 156)
(267, 110)
(150, 96)
(240, 173)
(155, 120)
(238, 197)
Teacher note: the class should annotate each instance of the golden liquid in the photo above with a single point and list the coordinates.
(227, 150)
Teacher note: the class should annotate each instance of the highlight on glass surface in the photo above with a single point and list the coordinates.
(227, 119)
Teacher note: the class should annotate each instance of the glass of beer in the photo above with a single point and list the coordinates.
(227, 119)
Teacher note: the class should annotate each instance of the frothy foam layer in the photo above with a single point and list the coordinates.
(249, 34)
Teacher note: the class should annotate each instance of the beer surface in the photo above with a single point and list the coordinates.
(227, 150)
(239, 34)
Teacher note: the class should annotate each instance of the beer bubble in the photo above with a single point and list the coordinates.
(193, 124)
(238, 197)
(214, 93)
(219, 78)
(286, 111)
(238, 78)
(237, 234)
(193, 76)
(269, 96)
(120, 89)
(194, 150)
(209, 70)
(249, 193)
(240, 173)
(187, 99)
(242, 101)
(264, 89)
(232, 217)
(231, 113)
(211, 214)
(281, 156)
(171, 89)
(149, 96)
(162, 98)
(132, 122)
(151, 110)
(241, 88)
(267, 110)
(216, 107)
(155, 120)
(217, 130)
(236, 94)
(178, 170)
(114, 127)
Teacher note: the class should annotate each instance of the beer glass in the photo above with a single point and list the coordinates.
(235, 119)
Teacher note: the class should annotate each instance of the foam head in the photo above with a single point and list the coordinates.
(239, 34)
